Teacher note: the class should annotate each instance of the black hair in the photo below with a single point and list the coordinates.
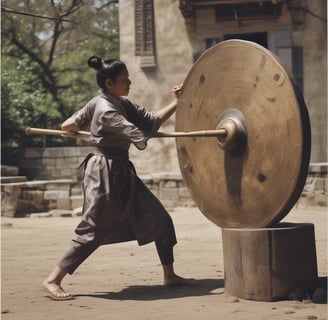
(107, 69)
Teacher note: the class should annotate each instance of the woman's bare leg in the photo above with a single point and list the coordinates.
(172, 279)
(53, 284)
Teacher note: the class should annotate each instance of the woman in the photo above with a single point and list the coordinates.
(117, 205)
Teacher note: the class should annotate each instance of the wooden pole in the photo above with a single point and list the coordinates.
(85, 134)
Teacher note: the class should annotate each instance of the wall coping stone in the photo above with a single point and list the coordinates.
(158, 176)
(316, 167)
(36, 183)
(13, 179)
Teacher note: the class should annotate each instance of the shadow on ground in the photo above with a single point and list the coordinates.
(203, 287)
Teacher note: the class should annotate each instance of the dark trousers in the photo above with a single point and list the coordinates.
(79, 252)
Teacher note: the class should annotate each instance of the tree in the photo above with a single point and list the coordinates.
(45, 46)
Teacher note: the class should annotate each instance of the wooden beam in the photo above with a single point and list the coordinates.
(220, 2)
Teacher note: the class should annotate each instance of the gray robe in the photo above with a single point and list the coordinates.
(117, 205)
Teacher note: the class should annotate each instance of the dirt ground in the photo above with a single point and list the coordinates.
(123, 281)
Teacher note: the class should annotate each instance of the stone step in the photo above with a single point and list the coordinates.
(11, 179)
(56, 213)
(50, 184)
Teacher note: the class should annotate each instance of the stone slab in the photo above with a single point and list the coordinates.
(11, 179)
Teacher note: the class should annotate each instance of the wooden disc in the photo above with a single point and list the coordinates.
(257, 186)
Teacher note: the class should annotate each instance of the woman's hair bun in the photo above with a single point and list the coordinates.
(95, 62)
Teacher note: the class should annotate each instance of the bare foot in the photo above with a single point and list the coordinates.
(176, 280)
(55, 291)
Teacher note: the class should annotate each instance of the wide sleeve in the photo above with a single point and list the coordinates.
(113, 123)
(143, 119)
(82, 118)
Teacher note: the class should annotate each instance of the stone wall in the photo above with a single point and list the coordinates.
(53, 163)
(151, 86)
(20, 197)
(175, 47)
(60, 185)
(41, 163)
(169, 188)
(31, 189)
(315, 189)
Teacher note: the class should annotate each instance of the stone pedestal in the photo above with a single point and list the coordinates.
(267, 264)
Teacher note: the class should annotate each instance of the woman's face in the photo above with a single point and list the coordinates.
(121, 85)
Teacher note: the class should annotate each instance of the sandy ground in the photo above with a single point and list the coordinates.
(123, 281)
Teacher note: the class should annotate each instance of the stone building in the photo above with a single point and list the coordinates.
(160, 40)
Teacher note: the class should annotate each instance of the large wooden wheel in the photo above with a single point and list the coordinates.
(252, 176)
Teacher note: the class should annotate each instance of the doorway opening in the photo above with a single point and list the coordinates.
(257, 37)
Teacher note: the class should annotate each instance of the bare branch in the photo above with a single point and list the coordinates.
(3, 9)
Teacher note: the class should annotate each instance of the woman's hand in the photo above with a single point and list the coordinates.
(176, 90)
(69, 127)
(166, 112)
(69, 133)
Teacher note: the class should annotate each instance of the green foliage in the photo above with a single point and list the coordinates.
(23, 103)
(44, 76)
